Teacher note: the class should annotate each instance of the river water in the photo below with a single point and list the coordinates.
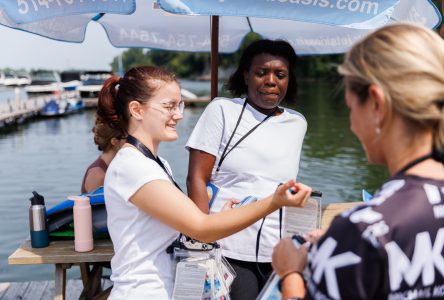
(50, 156)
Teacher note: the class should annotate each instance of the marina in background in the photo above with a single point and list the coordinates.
(50, 94)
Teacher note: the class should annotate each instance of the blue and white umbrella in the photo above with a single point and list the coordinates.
(311, 26)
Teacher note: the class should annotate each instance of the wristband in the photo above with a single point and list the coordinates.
(283, 277)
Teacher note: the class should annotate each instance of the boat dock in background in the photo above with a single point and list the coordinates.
(17, 111)
(21, 103)
(91, 84)
(14, 112)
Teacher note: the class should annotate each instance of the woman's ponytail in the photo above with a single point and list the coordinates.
(109, 110)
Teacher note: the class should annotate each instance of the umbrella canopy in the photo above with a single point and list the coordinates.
(146, 27)
(311, 26)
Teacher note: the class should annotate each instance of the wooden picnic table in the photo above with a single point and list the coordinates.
(63, 256)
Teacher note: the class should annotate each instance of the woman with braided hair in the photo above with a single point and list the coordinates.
(109, 141)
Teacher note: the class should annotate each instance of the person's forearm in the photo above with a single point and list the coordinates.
(197, 191)
(226, 223)
(292, 286)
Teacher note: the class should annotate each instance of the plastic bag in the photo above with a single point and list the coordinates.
(201, 272)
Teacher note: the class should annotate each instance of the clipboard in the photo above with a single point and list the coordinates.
(301, 220)
(271, 290)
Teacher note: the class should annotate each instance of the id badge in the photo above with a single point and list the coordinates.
(212, 191)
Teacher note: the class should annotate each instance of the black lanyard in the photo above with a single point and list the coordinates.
(258, 241)
(225, 153)
(414, 163)
(147, 152)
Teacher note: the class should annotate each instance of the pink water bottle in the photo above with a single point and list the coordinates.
(83, 238)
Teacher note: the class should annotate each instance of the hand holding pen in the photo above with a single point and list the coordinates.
(313, 193)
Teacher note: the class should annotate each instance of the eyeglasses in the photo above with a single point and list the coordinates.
(172, 107)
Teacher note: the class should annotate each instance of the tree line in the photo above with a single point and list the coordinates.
(195, 65)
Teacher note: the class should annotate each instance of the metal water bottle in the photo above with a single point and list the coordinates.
(83, 237)
(37, 222)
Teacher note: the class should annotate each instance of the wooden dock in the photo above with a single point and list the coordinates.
(42, 290)
(17, 111)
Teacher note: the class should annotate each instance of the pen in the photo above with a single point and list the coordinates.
(313, 193)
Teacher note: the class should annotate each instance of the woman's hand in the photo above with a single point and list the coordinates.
(283, 197)
(314, 236)
(229, 204)
(287, 258)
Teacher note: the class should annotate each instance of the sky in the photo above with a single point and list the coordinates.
(20, 49)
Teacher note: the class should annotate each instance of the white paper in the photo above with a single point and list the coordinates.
(300, 220)
(190, 278)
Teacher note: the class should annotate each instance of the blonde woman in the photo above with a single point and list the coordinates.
(391, 248)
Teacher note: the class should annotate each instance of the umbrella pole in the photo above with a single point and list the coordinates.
(214, 55)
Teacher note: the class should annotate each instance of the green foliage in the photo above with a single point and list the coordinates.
(232, 59)
(193, 65)
(318, 66)
(131, 58)
(184, 64)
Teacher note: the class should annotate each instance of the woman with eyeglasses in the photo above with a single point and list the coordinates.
(146, 208)
(391, 247)
(244, 146)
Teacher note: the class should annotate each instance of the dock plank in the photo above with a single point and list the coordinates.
(41, 290)
(35, 290)
(331, 210)
(48, 294)
(3, 288)
(73, 289)
(16, 290)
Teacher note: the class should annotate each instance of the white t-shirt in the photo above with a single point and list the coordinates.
(268, 156)
(141, 269)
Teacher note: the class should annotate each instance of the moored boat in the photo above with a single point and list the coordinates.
(92, 82)
(71, 80)
(44, 82)
(57, 108)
